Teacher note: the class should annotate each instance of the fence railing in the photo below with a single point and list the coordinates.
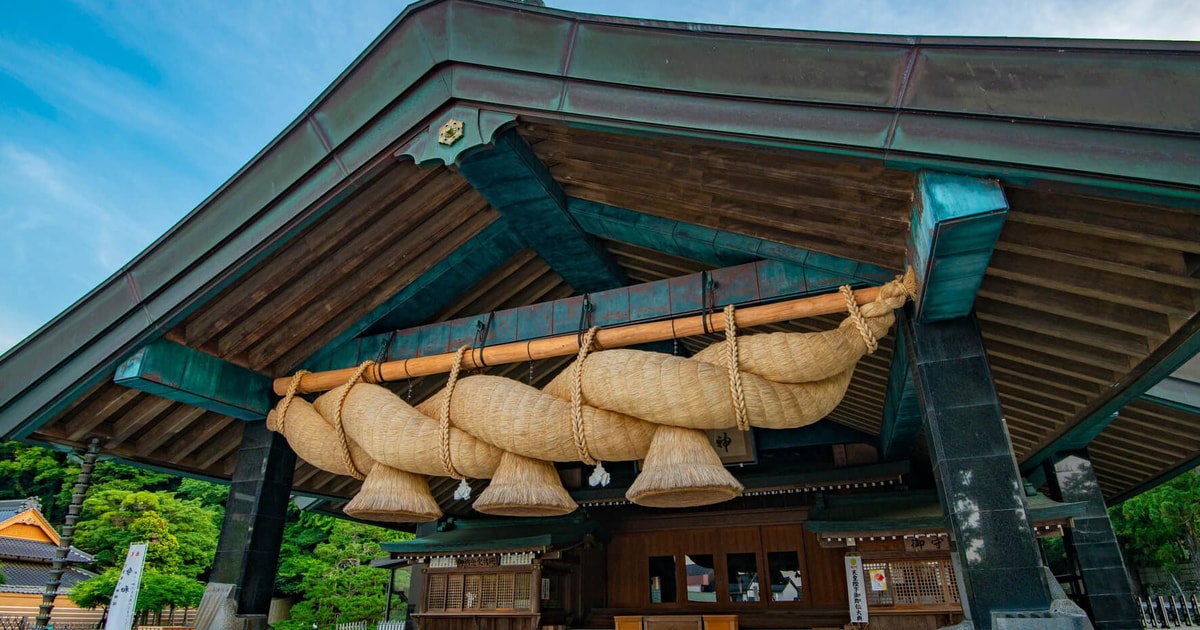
(363, 625)
(27, 623)
(1170, 611)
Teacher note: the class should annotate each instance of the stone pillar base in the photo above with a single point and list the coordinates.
(218, 611)
(1063, 614)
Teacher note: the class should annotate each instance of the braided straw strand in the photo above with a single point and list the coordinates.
(735, 373)
(287, 400)
(444, 415)
(581, 447)
(337, 419)
(860, 322)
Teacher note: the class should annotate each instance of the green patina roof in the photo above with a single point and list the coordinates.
(520, 534)
(916, 511)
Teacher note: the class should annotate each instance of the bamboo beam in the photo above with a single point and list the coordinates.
(566, 345)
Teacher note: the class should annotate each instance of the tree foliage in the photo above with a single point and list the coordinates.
(1160, 528)
(158, 591)
(183, 533)
(31, 471)
(326, 562)
(97, 591)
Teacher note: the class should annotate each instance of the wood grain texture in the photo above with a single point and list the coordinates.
(1079, 292)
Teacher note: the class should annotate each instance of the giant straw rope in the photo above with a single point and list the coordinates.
(609, 405)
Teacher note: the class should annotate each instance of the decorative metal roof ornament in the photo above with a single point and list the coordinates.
(450, 132)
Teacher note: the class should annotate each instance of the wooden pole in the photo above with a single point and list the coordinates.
(566, 345)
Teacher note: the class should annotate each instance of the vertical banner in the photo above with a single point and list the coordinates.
(856, 589)
(124, 600)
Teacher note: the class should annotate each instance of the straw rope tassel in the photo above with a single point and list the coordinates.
(463, 492)
(337, 420)
(599, 476)
(860, 322)
(735, 373)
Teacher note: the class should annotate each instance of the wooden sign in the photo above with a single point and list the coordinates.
(856, 589)
(926, 543)
(733, 446)
(476, 562)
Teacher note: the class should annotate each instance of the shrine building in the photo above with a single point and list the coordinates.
(648, 325)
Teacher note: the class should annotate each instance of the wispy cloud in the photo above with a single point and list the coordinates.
(125, 119)
(1104, 19)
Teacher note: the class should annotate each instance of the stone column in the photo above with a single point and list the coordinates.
(980, 488)
(243, 573)
(1093, 545)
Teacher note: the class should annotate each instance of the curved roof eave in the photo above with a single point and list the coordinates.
(1021, 109)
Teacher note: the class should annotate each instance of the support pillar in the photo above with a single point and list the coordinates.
(243, 572)
(1093, 545)
(59, 565)
(981, 491)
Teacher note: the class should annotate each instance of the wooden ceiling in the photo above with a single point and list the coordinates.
(1080, 290)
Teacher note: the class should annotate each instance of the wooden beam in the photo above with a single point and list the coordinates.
(1078, 432)
(176, 372)
(432, 291)
(745, 284)
(520, 187)
(707, 245)
(568, 344)
(901, 412)
(956, 222)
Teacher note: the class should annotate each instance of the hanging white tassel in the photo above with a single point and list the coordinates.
(600, 477)
(463, 492)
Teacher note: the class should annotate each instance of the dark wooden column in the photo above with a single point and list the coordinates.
(248, 550)
(1093, 545)
(980, 488)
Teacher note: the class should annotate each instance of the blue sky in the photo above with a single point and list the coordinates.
(117, 118)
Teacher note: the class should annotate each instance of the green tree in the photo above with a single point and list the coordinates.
(33, 471)
(3, 578)
(97, 591)
(326, 562)
(157, 592)
(183, 533)
(162, 591)
(1160, 528)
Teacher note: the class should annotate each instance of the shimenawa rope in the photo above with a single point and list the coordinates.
(599, 476)
(463, 492)
(860, 322)
(735, 373)
(337, 419)
(287, 400)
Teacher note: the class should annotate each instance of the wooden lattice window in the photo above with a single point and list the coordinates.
(521, 597)
(488, 595)
(478, 591)
(454, 592)
(914, 583)
(437, 592)
(472, 591)
(504, 590)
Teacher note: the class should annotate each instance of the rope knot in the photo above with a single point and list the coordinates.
(344, 393)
